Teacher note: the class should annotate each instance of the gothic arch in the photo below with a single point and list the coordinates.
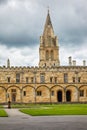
(42, 86)
(28, 86)
(71, 93)
(57, 93)
(28, 94)
(83, 93)
(14, 93)
(82, 86)
(57, 86)
(3, 87)
(44, 95)
(71, 86)
(14, 86)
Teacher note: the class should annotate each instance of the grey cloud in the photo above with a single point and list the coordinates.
(22, 26)
(19, 41)
(71, 26)
(22, 22)
(19, 37)
(3, 2)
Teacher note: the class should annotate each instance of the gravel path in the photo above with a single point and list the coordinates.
(15, 113)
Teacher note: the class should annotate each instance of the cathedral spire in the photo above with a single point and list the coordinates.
(48, 25)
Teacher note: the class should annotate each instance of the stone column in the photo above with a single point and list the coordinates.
(64, 95)
(77, 95)
(50, 95)
(35, 95)
(6, 96)
(21, 95)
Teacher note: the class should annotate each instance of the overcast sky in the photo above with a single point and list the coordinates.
(22, 23)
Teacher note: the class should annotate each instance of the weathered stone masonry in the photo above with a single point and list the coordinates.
(49, 82)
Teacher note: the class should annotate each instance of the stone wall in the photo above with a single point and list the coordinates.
(49, 90)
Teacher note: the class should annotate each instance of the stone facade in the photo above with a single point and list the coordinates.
(49, 82)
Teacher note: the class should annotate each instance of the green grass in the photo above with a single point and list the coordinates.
(3, 113)
(62, 109)
(25, 105)
(1, 106)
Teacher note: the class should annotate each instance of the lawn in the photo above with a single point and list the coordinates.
(25, 105)
(61, 109)
(3, 113)
(1, 106)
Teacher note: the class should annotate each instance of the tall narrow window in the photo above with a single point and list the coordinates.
(24, 93)
(47, 55)
(73, 79)
(42, 78)
(32, 79)
(65, 78)
(52, 93)
(81, 93)
(55, 79)
(18, 78)
(8, 79)
(52, 55)
(79, 79)
(51, 79)
(27, 79)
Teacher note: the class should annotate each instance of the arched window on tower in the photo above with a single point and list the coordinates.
(47, 55)
(52, 55)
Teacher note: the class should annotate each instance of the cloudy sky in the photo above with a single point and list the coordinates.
(22, 23)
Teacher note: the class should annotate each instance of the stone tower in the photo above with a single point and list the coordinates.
(49, 49)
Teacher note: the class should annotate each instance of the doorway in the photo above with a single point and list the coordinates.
(13, 97)
(68, 95)
(59, 96)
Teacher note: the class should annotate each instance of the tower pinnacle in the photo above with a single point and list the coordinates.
(8, 63)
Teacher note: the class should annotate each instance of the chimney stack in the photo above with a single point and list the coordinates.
(70, 61)
(74, 62)
(84, 63)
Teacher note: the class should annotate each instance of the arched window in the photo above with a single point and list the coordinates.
(47, 55)
(52, 55)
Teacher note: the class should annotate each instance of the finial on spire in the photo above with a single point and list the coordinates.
(48, 9)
